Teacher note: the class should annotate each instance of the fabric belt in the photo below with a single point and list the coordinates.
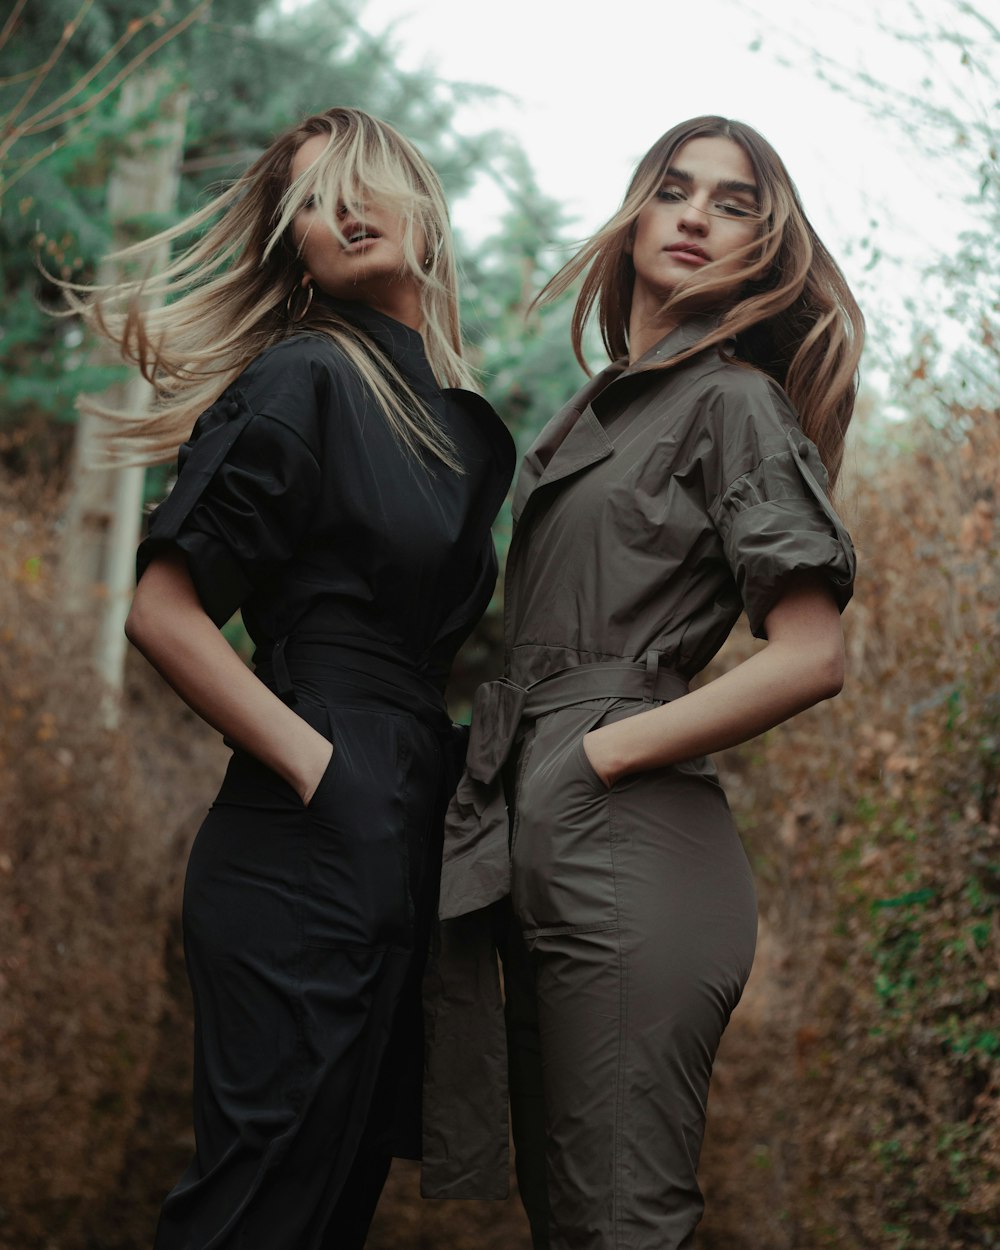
(476, 869)
(353, 674)
(501, 706)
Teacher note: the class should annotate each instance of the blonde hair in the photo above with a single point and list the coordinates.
(793, 317)
(225, 297)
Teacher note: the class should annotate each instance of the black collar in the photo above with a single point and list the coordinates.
(403, 345)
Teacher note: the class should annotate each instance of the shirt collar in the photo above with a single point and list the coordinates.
(620, 373)
(403, 345)
(676, 341)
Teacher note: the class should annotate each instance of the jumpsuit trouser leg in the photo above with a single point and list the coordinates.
(303, 936)
(637, 911)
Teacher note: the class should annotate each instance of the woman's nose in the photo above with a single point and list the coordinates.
(694, 219)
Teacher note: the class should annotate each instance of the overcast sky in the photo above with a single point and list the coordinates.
(595, 83)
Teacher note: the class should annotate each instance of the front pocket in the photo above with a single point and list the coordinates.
(358, 822)
(325, 777)
(522, 768)
(250, 783)
(562, 862)
(583, 762)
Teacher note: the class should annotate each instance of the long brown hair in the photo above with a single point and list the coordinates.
(794, 316)
(225, 297)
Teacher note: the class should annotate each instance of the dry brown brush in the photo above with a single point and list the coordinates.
(874, 823)
(857, 1100)
(87, 854)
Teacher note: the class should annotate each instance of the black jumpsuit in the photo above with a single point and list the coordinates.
(359, 570)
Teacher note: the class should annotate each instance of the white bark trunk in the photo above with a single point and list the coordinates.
(104, 510)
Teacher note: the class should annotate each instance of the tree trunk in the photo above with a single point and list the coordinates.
(104, 509)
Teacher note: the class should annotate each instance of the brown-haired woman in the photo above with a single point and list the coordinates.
(342, 499)
(685, 483)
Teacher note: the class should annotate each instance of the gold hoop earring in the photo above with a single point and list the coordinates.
(433, 255)
(295, 313)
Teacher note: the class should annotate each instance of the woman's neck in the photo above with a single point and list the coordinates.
(647, 325)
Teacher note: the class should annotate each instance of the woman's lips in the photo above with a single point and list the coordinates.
(689, 253)
(360, 238)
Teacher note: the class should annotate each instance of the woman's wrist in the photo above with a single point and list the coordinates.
(602, 748)
(310, 763)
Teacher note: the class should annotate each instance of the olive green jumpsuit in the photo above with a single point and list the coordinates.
(652, 510)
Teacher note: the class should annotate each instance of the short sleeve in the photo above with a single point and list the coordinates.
(774, 516)
(246, 489)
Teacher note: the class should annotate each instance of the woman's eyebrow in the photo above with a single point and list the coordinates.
(727, 184)
(733, 184)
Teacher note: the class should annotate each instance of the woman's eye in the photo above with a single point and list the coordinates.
(735, 210)
(309, 201)
(672, 195)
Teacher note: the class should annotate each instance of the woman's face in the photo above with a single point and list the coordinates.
(705, 211)
(371, 267)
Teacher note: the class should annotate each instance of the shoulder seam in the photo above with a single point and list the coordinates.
(267, 416)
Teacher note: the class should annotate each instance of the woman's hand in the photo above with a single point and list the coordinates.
(600, 761)
(172, 630)
(324, 754)
(802, 664)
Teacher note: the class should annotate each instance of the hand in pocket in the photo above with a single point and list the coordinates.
(597, 757)
(316, 775)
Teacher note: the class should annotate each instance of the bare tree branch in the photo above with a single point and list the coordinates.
(11, 21)
(69, 30)
(124, 73)
(131, 30)
(27, 165)
(901, 104)
(45, 119)
(23, 76)
(219, 160)
(971, 11)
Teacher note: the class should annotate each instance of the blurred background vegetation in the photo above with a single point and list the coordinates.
(857, 1102)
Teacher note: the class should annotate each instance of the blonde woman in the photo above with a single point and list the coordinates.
(339, 488)
(685, 483)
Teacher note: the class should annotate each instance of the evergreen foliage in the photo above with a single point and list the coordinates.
(251, 70)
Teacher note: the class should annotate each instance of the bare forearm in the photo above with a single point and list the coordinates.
(171, 629)
(802, 664)
(761, 693)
